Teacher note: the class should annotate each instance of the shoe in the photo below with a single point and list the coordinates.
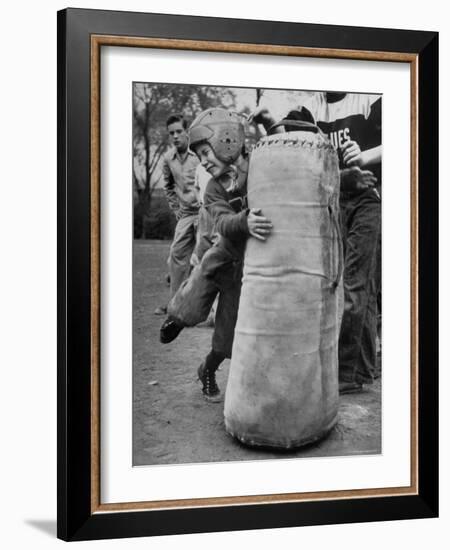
(169, 330)
(161, 310)
(350, 387)
(210, 388)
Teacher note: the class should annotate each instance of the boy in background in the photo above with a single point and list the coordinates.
(179, 166)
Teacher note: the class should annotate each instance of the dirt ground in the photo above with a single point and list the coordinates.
(173, 424)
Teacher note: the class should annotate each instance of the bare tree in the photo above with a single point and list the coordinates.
(152, 104)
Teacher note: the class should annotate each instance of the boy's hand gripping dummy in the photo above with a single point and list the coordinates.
(283, 384)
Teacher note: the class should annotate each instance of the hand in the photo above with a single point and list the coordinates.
(258, 226)
(261, 115)
(355, 180)
(352, 155)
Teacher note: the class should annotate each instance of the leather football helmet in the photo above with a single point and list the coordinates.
(223, 130)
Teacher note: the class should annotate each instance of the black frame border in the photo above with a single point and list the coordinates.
(75, 520)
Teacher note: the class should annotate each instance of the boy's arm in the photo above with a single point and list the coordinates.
(227, 222)
(169, 188)
(352, 153)
(262, 116)
(353, 156)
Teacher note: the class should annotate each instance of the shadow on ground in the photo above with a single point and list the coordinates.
(47, 526)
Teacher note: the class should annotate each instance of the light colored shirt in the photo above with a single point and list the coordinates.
(179, 182)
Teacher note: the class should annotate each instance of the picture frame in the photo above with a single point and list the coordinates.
(81, 36)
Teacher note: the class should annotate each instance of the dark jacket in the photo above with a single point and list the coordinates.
(229, 213)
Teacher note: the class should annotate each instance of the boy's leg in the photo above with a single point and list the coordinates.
(207, 375)
(229, 284)
(193, 300)
(358, 329)
(195, 297)
(190, 305)
(205, 233)
(180, 251)
(228, 281)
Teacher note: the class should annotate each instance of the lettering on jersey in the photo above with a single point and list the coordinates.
(339, 137)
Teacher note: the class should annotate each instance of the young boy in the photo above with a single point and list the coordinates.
(217, 137)
(178, 171)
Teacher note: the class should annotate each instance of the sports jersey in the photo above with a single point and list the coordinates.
(355, 117)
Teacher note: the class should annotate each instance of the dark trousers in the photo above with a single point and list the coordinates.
(218, 274)
(361, 231)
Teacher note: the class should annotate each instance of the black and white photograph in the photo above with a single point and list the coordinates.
(256, 273)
